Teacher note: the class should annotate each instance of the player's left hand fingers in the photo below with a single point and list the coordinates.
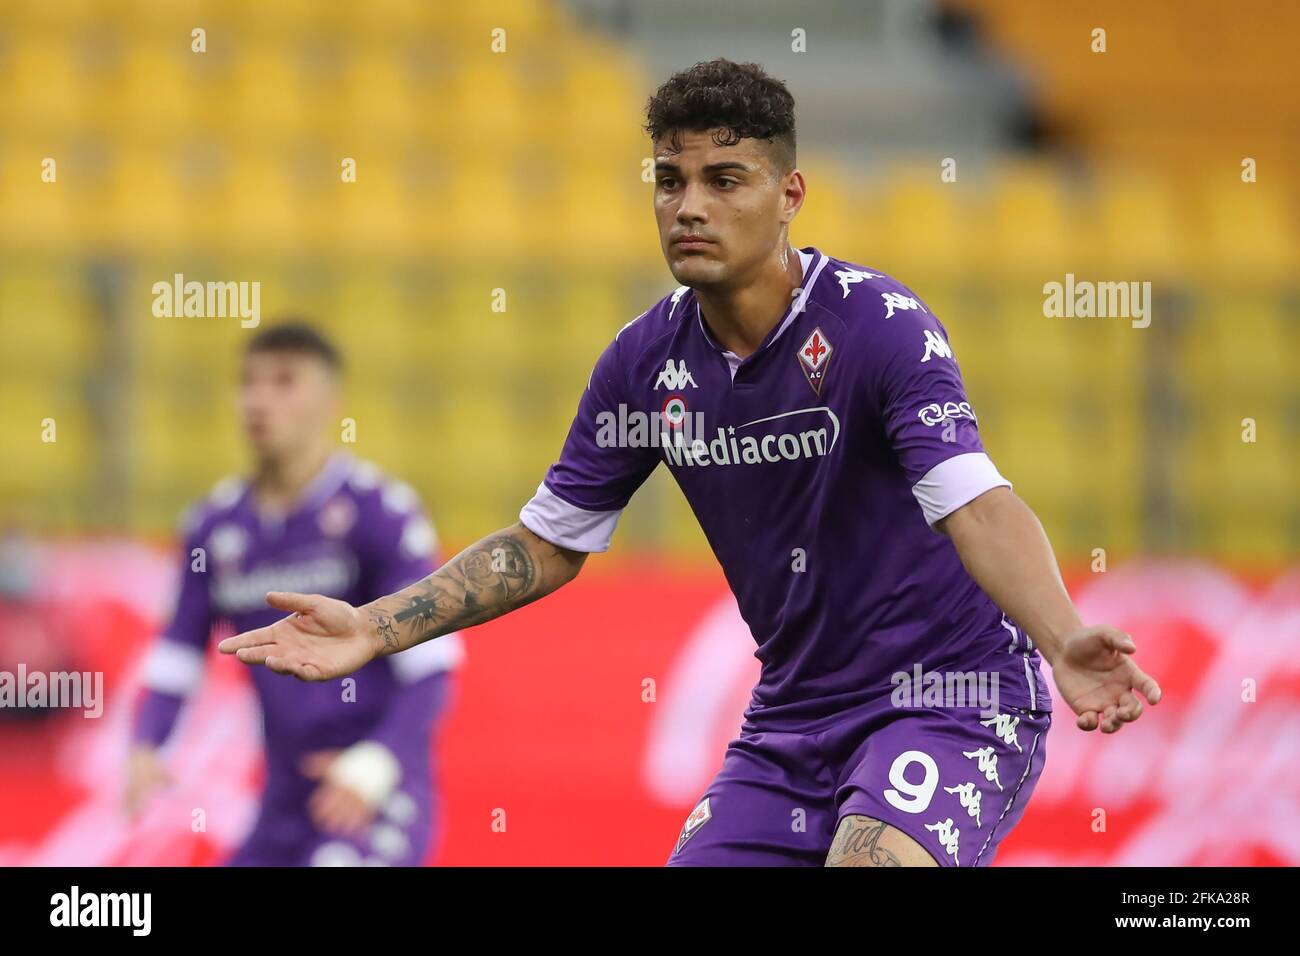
(1110, 723)
(293, 668)
(1116, 640)
(1087, 720)
(1130, 708)
(255, 655)
(258, 637)
(1146, 685)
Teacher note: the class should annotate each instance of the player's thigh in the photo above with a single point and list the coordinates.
(952, 780)
(771, 804)
(863, 841)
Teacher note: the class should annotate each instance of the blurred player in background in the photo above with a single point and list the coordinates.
(842, 484)
(349, 776)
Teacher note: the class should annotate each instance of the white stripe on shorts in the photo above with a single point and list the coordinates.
(1033, 749)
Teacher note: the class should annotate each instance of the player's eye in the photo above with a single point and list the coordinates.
(667, 182)
(726, 182)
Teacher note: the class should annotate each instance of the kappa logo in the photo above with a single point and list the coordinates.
(986, 762)
(814, 356)
(935, 345)
(1004, 725)
(698, 817)
(850, 277)
(896, 300)
(969, 795)
(674, 376)
(947, 835)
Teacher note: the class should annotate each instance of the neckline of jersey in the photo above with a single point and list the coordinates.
(817, 260)
(325, 483)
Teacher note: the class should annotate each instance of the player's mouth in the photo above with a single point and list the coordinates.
(692, 243)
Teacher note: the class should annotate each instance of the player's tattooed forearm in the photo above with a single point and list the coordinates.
(857, 844)
(384, 628)
(422, 612)
(500, 565)
(489, 578)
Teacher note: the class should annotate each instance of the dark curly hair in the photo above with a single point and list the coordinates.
(739, 100)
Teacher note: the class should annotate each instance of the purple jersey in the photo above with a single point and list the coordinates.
(354, 535)
(817, 467)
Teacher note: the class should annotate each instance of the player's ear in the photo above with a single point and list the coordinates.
(793, 191)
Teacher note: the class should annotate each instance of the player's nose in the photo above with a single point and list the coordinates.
(691, 208)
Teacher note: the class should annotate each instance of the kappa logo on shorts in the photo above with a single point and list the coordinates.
(698, 817)
(1004, 725)
(947, 835)
(970, 796)
(988, 763)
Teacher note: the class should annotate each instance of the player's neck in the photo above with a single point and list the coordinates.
(279, 482)
(740, 317)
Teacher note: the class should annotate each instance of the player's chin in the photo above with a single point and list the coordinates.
(693, 268)
(264, 446)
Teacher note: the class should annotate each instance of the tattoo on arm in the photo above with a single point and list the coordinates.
(384, 628)
(423, 611)
(502, 572)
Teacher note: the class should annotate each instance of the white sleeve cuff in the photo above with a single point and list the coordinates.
(553, 519)
(173, 668)
(954, 482)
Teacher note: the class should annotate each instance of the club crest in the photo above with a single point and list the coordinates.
(701, 815)
(814, 357)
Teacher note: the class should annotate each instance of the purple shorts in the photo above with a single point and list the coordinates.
(953, 780)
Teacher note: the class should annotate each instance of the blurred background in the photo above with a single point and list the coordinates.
(497, 148)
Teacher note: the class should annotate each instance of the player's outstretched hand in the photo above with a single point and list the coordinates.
(1100, 681)
(322, 639)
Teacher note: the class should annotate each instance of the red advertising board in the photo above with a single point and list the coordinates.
(584, 727)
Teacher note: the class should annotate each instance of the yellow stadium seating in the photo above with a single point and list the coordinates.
(486, 174)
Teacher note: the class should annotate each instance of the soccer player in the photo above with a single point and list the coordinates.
(349, 775)
(813, 414)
